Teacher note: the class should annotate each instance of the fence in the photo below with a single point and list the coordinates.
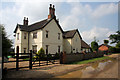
(67, 58)
(50, 58)
(20, 59)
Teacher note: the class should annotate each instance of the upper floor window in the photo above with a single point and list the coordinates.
(25, 35)
(46, 34)
(34, 35)
(59, 36)
(17, 36)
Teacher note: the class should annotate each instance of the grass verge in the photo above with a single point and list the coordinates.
(90, 60)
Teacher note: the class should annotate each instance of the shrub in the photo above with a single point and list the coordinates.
(41, 53)
(49, 56)
(112, 50)
(56, 56)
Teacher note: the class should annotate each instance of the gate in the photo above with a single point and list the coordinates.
(48, 60)
(18, 59)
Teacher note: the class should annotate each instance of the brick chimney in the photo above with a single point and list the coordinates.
(51, 11)
(25, 21)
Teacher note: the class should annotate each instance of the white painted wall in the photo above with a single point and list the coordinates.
(67, 45)
(52, 39)
(37, 41)
(18, 42)
(76, 43)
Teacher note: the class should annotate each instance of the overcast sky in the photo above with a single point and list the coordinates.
(93, 19)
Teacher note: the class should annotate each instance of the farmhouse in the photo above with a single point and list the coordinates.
(47, 34)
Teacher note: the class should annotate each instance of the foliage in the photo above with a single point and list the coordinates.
(41, 53)
(118, 45)
(106, 41)
(56, 56)
(112, 50)
(94, 45)
(6, 43)
(115, 37)
(49, 56)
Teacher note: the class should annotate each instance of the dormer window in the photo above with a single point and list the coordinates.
(17, 36)
(25, 34)
(34, 35)
(46, 34)
(58, 36)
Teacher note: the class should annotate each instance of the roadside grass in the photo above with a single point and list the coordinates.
(91, 60)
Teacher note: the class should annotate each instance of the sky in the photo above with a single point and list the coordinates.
(92, 18)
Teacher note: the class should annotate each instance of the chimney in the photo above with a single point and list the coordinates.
(25, 21)
(51, 11)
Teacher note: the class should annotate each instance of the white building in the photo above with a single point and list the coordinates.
(46, 34)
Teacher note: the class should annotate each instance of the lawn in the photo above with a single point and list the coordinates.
(91, 60)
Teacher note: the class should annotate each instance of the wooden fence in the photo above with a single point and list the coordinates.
(33, 61)
(18, 59)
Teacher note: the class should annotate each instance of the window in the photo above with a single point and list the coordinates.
(58, 49)
(76, 50)
(76, 39)
(46, 34)
(58, 36)
(24, 50)
(25, 35)
(34, 48)
(17, 36)
(46, 49)
(34, 35)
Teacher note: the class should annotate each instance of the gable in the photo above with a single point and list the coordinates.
(53, 26)
(71, 34)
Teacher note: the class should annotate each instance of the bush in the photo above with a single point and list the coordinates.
(49, 56)
(56, 56)
(41, 53)
(112, 50)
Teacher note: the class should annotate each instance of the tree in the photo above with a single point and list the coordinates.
(115, 37)
(106, 41)
(41, 53)
(94, 45)
(118, 45)
(6, 43)
(112, 49)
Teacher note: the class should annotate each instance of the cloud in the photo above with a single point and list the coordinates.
(98, 32)
(81, 14)
(105, 9)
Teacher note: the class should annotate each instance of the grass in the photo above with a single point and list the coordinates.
(91, 60)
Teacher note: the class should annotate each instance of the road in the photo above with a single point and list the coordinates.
(106, 69)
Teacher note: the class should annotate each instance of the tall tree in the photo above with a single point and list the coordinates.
(115, 37)
(94, 45)
(6, 43)
(106, 41)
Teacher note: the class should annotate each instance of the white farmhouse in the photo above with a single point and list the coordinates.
(46, 34)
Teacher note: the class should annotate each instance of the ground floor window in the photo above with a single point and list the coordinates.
(58, 49)
(24, 50)
(34, 48)
(46, 49)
